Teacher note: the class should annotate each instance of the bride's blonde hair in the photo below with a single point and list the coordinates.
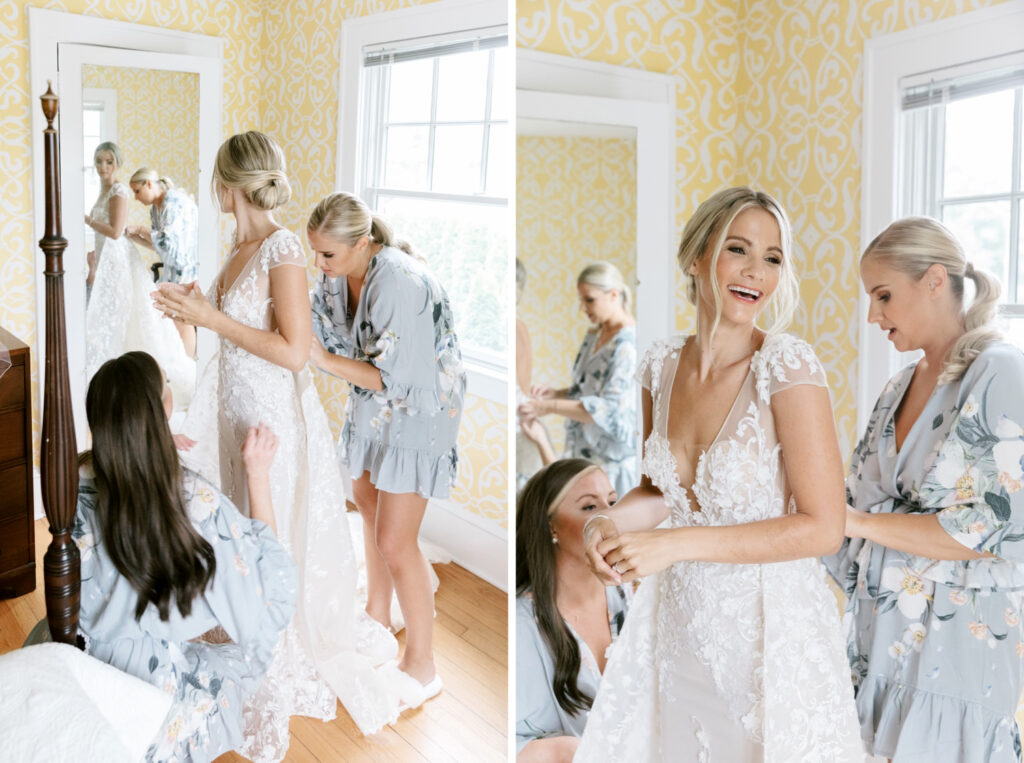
(253, 163)
(706, 231)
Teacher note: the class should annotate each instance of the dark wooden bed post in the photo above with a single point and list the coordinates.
(58, 460)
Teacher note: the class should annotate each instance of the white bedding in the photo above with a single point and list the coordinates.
(59, 704)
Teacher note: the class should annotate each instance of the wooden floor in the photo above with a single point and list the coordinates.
(466, 722)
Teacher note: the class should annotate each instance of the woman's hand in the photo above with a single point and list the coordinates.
(531, 409)
(600, 529)
(317, 352)
(533, 429)
(541, 392)
(183, 442)
(183, 302)
(636, 555)
(258, 450)
(854, 523)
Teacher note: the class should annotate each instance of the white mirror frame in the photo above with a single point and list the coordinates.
(48, 29)
(553, 87)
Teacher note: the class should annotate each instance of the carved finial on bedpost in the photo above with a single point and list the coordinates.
(58, 459)
(49, 100)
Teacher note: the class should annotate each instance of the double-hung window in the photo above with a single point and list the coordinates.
(963, 163)
(433, 156)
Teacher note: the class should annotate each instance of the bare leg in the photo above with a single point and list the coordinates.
(398, 524)
(378, 579)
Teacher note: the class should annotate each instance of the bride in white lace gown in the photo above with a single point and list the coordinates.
(120, 316)
(732, 651)
(259, 306)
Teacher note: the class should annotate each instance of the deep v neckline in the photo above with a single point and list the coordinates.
(688, 491)
(220, 279)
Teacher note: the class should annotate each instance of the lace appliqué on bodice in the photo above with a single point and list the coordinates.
(767, 633)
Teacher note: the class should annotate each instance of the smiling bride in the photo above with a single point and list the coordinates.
(732, 648)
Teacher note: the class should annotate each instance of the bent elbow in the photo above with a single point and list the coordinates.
(297, 359)
(830, 539)
(116, 235)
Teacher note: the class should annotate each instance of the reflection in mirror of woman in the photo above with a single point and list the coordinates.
(173, 235)
(600, 404)
(119, 316)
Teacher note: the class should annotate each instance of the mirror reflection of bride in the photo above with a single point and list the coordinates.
(120, 316)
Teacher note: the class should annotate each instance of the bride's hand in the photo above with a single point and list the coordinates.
(183, 302)
(183, 442)
(598, 530)
(636, 555)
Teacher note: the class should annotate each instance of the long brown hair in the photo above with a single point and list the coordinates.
(140, 503)
(536, 575)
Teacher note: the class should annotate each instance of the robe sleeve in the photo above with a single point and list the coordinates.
(613, 408)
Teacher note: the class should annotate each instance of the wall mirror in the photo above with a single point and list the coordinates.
(594, 181)
(157, 95)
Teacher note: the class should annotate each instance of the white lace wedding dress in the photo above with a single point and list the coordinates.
(330, 649)
(120, 316)
(728, 663)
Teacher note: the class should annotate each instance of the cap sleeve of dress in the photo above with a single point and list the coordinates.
(648, 372)
(785, 361)
(282, 248)
(120, 189)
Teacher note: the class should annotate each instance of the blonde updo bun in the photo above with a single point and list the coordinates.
(254, 164)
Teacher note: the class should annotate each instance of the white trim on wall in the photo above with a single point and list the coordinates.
(48, 30)
(571, 90)
(967, 37)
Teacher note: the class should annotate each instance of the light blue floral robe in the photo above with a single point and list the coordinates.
(404, 435)
(603, 381)
(174, 229)
(936, 647)
(252, 597)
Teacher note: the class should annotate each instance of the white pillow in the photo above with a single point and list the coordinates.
(59, 704)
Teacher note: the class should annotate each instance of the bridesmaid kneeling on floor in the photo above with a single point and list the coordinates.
(388, 330)
(566, 619)
(166, 558)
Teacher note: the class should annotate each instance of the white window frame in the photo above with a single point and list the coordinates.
(430, 20)
(953, 42)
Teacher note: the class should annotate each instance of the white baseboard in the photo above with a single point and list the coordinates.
(477, 544)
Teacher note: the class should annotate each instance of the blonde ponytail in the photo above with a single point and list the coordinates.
(914, 244)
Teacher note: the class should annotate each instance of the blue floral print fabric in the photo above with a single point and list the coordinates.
(252, 598)
(404, 435)
(936, 647)
(174, 230)
(603, 381)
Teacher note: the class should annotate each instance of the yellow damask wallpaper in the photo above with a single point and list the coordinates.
(575, 204)
(280, 75)
(770, 95)
(157, 125)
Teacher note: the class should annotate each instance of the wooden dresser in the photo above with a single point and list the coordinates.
(17, 528)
